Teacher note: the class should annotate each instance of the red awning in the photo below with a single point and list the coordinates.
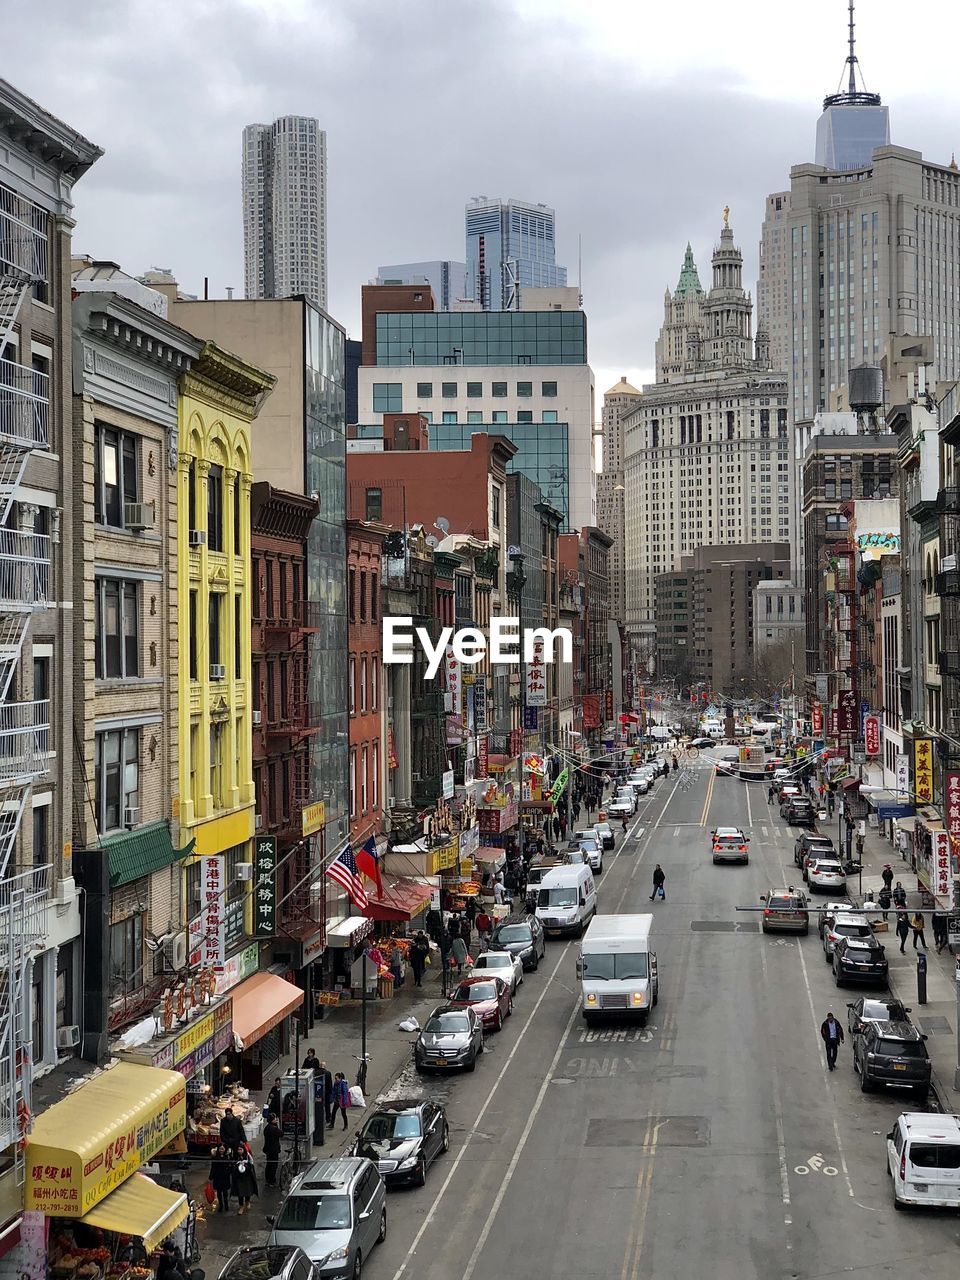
(847, 783)
(402, 899)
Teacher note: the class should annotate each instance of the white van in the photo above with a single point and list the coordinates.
(567, 899)
(617, 968)
(712, 728)
(923, 1158)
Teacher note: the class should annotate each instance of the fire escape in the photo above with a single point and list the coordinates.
(24, 726)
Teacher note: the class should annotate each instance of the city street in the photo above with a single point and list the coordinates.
(713, 1142)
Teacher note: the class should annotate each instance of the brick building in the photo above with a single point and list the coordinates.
(365, 679)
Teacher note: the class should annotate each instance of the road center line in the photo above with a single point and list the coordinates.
(778, 1113)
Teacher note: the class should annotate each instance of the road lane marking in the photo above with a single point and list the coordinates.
(518, 1150)
(709, 797)
(778, 1114)
(644, 1186)
(749, 810)
(491, 1094)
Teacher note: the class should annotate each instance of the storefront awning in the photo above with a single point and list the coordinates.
(141, 852)
(402, 899)
(491, 857)
(260, 1004)
(847, 783)
(139, 1207)
(347, 933)
(889, 804)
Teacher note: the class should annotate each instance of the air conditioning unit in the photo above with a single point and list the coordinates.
(175, 951)
(218, 671)
(244, 870)
(256, 717)
(139, 516)
(198, 537)
(258, 822)
(131, 817)
(68, 1037)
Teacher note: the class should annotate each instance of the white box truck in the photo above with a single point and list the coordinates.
(617, 967)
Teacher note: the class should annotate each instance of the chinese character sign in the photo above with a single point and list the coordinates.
(923, 770)
(816, 718)
(536, 693)
(208, 930)
(265, 886)
(940, 880)
(480, 704)
(483, 755)
(953, 810)
(454, 682)
(871, 735)
(848, 716)
(903, 774)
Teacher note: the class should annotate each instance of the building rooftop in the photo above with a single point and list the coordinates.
(622, 388)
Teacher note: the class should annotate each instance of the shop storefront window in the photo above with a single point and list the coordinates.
(126, 955)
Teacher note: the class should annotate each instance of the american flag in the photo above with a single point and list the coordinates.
(344, 870)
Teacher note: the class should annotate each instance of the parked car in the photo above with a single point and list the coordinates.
(923, 1159)
(268, 1262)
(451, 1038)
(892, 1055)
(589, 843)
(787, 790)
(623, 805)
(844, 926)
(605, 832)
(639, 782)
(523, 938)
(703, 743)
(829, 912)
(336, 1212)
(489, 998)
(729, 844)
(825, 875)
(403, 1138)
(503, 965)
(785, 911)
(798, 811)
(867, 1010)
(811, 842)
(859, 960)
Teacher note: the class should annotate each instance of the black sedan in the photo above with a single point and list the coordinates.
(859, 960)
(861, 1013)
(403, 1138)
(521, 937)
(451, 1039)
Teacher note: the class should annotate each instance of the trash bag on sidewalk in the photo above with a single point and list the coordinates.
(356, 1096)
(409, 1024)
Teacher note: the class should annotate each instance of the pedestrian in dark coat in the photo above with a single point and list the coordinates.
(883, 898)
(563, 825)
(470, 910)
(244, 1179)
(575, 810)
(221, 1176)
(418, 958)
(903, 928)
(341, 1098)
(886, 875)
(310, 1061)
(831, 1032)
(327, 1077)
(940, 933)
(271, 1150)
(899, 896)
(275, 1097)
(231, 1130)
(556, 828)
(453, 927)
(659, 879)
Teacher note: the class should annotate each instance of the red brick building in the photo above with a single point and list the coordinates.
(365, 679)
(283, 718)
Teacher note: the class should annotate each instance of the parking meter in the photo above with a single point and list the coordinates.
(921, 979)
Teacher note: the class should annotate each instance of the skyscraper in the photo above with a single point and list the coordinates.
(510, 244)
(853, 123)
(447, 279)
(617, 403)
(285, 209)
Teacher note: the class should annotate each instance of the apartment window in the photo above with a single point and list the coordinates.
(236, 516)
(474, 415)
(268, 579)
(374, 504)
(41, 679)
(352, 601)
(374, 683)
(41, 835)
(375, 777)
(498, 390)
(449, 417)
(217, 737)
(474, 390)
(115, 474)
(353, 784)
(117, 777)
(548, 389)
(524, 389)
(126, 955)
(495, 505)
(388, 397)
(424, 390)
(363, 595)
(118, 646)
(499, 415)
(353, 686)
(448, 390)
(363, 684)
(193, 635)
(363, 780)
(374, 597)
(237, 636)
(215, 508)
(214, 625)
(524, 415)
(548, 415)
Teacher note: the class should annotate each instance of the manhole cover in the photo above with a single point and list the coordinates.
(670, 1131)
(934, 1026)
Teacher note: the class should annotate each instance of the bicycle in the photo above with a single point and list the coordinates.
(291, 1166)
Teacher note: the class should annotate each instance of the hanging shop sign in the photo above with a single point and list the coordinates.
(208, 928)
(469, 841)
(871, 735)
(483, 756)
(239, 966)
(443, 856)
(314, 816)
(531, 718)
(953, 809)
(480, 704)
(848, 711)
(536, 676)
(903, 773)
(264, 886)
(816, 717)
(923, 770)
(940, 871)
(448, 784)
(515, 743)
(454, 681)
(591, 711)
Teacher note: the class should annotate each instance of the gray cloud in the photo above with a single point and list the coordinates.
(425, 103)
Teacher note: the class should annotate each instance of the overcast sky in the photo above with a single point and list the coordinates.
(637, 122)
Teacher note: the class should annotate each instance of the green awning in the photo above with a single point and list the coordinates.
(141, 852)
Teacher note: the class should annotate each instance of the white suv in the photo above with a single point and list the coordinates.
(844, 926)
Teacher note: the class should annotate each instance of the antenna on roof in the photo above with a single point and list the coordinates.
(852, 55)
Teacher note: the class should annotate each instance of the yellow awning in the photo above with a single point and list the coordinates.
(139, 1207)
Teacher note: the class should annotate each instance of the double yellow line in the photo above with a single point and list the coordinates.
(631, 1261)
(706, 803)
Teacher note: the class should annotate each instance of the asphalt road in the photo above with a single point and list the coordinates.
(712, 1143)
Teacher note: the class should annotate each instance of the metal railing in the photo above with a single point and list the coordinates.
(23, 905)
(23, 899)
(24, 567)
(24, 405)
(24, 245)
(24, 740)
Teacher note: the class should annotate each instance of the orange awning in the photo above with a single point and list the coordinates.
(260, 1003)
(401, 899)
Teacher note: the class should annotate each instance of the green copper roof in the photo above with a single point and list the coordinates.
(689, 282)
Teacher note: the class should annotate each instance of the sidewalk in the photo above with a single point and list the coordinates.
(336, 1041)
(937, 1019)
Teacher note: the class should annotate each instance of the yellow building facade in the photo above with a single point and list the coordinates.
(219, 399)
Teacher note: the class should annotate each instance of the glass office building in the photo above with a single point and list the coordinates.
(848, 133)
(509, 243)
(476, 338)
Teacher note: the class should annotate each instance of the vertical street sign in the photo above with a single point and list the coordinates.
(264, 886)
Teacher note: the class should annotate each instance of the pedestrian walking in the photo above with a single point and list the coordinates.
(940, 934)
(859, 847)
(221, 1176)
(831, 803)
(458, 952)
(659, 879)
(903, 928)
(899, 896)
(271, 1149)
(883, 898)
(831, 1033)
(563, 826)
(465, 932)
(232, 1133)
(575, 809)
(771, 792)
(886, 875)
(275, 1097)
(499, 891)
(341, 1098)
(326, 1077)
(310, 1062)
(418, 957)
(470, 909)
(484, 928)
(556, 828)
(917, 925)
(623, 826)
(244, 1180)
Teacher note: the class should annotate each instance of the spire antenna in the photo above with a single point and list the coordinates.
(852, 56)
